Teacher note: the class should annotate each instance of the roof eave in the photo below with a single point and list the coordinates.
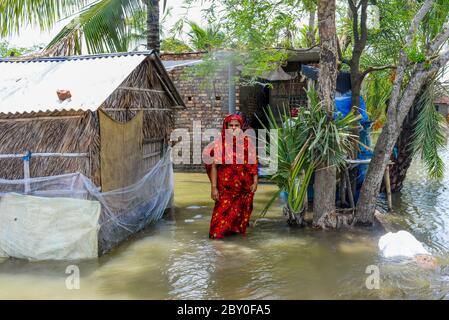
(168, 82)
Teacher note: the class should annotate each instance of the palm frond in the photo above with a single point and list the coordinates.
(106, 26)
(43, 13)
(429, 129)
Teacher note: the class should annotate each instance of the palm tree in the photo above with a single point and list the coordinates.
(205, 39)
(103, 25)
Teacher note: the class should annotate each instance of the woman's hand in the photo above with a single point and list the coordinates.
(214, 194)
(254, 187)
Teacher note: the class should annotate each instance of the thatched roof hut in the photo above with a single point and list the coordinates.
(113, 128)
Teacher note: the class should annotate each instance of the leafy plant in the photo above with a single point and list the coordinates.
(309, 141)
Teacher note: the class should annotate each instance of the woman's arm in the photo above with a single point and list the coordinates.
(255, 181)
(213, 180)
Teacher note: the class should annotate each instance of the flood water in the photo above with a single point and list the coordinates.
(175, 259)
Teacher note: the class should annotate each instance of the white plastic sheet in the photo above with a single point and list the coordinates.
(40, 228)
(66, 217)
(400, 244)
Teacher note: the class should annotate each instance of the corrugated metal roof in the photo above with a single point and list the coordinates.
(171, 64)
(444, 99)
(31, 85)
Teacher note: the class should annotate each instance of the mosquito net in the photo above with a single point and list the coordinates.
(67, 217)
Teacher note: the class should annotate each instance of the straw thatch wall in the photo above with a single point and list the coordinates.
(158, 115)
(50, 132)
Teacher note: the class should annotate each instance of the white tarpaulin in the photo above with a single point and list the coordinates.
(39, 228)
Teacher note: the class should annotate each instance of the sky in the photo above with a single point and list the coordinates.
(30, 36)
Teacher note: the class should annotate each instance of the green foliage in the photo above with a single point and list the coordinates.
(307, 142)
(376, 92)
(7, 51)
(205, 39)
(414, 53)
(256, 32)
(174, 45)
(304, 41)
(430, 129)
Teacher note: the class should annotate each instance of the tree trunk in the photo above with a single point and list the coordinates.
(356, 85)
(398, 170)
(325, 178)
(397, 112)
(311, 31)
(153, 39)
(324, 190)
(366, 203)
(294, 219)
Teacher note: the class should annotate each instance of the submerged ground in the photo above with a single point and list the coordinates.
(175, 259)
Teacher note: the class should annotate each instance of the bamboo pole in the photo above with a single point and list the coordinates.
(142, 90)
(48, 154)
(39, 118)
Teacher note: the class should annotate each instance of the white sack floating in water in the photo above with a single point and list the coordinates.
(400, 244)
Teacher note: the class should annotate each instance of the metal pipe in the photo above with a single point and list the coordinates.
(231, 88)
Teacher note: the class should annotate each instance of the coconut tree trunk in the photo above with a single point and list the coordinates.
(325, 178)
(153, 39)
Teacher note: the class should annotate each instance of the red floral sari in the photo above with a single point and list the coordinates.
(235, 176)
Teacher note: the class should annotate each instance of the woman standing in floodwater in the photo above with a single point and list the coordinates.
(233, 178)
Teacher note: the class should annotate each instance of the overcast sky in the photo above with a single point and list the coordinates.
(30, 36)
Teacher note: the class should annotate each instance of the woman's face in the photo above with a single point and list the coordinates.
(234, 125)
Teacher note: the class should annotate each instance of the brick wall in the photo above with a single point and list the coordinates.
(206, 100)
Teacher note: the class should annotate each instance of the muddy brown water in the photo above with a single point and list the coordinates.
(174, 259)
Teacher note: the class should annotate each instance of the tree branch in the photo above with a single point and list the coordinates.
(417, 20)
(439, 62)
(340, 54)
(440, 39)
(363, 18)
(403, 59)
(372, 69)
(355, 19)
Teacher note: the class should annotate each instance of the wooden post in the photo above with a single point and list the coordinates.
(350, 193)
(388, 187)
(342, 190)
